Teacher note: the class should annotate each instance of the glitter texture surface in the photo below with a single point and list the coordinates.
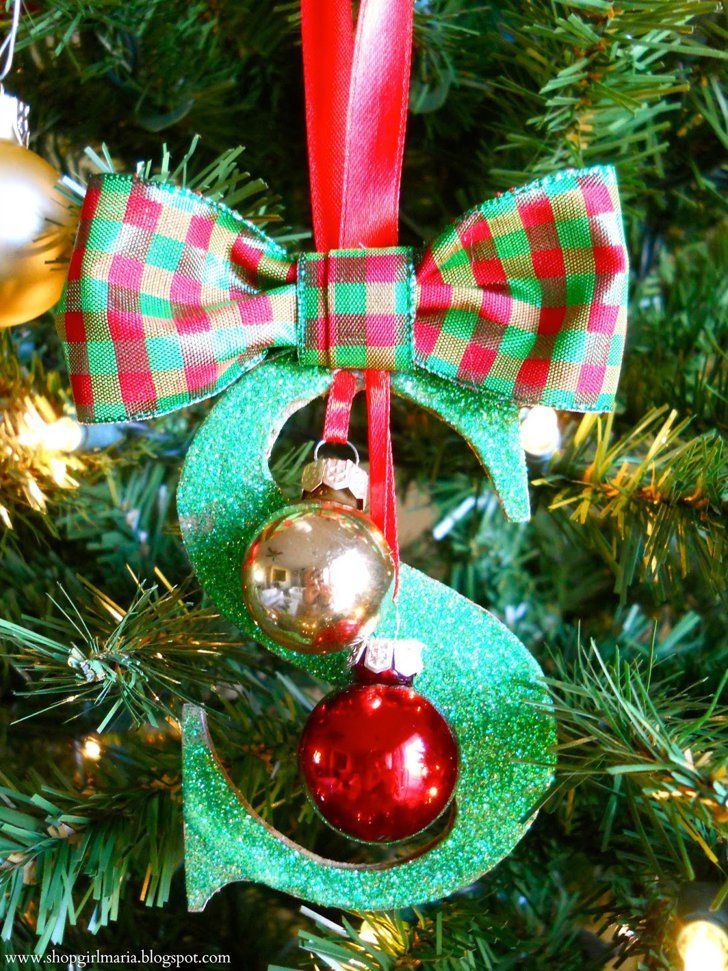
(476, 672)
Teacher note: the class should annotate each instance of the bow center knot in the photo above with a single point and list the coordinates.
(356, 309)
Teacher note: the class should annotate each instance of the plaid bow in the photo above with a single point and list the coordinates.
(171, 297)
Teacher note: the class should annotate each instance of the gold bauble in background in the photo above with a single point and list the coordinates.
(315, 578)
(37, 226)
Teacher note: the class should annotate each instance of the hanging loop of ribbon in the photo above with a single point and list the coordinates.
(357, 88)
(338, 407)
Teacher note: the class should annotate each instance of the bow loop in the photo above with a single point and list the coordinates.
(527, 294)
(171, 297)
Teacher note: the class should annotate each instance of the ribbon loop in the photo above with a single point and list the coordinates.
(356, 309)
(527, 294)
(362, 208)
(170, 297)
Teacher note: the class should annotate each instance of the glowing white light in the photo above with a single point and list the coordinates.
(64, 435)
(703, 946)
(540, 434)
(58, 471)
(91, 749)
(20, 216)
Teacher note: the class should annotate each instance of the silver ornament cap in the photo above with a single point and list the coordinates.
(401, 655)
(335, 480)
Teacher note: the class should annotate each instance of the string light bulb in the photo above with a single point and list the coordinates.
(91, 749)
(702, 939)
(41, 430)
(540, 432)
(703, 946)
(62, 435)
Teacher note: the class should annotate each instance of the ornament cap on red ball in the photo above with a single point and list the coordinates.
(379, 761)
(388, 660)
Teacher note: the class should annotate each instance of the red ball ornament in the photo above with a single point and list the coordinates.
(379, 761)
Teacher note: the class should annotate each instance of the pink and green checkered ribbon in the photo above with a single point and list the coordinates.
(171, 297)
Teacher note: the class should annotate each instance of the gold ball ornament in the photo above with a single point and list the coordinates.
(37, 225)
(315, 577)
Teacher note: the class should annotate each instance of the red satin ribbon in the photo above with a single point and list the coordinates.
(327, 31)
(338, 407)
(357, 87)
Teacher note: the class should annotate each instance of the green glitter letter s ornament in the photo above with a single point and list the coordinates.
(476, 672)
(172, 297)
